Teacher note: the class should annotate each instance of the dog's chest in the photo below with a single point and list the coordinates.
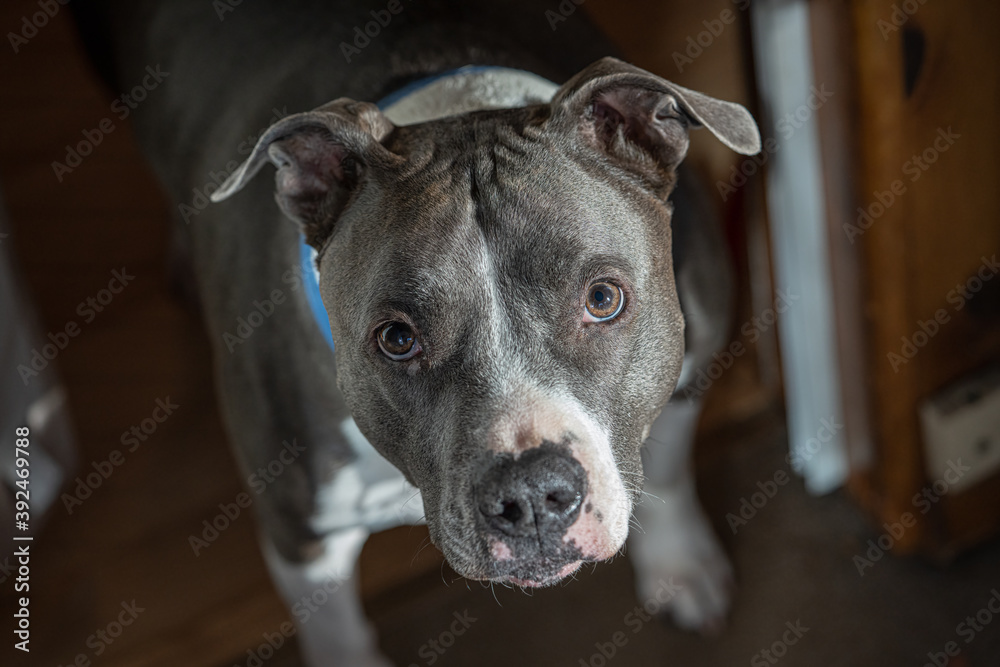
(368, 492)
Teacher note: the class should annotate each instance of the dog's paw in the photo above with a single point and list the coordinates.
(680, 564)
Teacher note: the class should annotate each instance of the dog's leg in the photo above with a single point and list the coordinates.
(675, 538)
(323, 597)
(367, 495)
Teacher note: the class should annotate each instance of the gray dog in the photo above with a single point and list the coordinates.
(506, 286)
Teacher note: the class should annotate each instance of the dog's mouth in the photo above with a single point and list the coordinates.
(531, 575)
(563, 573)
(527, 563)
(528, 566)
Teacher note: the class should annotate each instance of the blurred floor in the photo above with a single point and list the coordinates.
(129, 539)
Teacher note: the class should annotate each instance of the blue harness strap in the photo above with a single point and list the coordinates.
(310, 281)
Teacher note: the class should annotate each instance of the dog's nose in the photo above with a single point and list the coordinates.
(540, 492)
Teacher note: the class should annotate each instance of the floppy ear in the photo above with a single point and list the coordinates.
(321, 156)
(641, 120)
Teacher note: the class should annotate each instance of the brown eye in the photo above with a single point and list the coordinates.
(397, 341)
(604, 301)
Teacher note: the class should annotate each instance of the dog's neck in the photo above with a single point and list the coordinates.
(471, 88)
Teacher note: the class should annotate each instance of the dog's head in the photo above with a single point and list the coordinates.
(501, 295)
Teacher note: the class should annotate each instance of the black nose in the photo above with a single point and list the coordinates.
(538, 493)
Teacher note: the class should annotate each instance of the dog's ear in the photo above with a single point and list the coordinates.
(321, 155)
(641, 120)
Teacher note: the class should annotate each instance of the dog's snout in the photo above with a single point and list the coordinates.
(540, 493)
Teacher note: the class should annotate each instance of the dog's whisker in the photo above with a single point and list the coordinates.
(446, 582)
(646, 493)
(494, 592)
(426, 543)
(402, 507)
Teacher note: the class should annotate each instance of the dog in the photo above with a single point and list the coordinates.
(515, 285)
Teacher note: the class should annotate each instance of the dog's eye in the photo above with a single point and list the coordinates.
(397, 341)
(604, 302)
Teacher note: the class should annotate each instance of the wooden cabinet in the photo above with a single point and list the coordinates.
(911, 173)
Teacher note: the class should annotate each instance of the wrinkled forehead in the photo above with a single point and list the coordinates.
(523, 188)
(492, 195)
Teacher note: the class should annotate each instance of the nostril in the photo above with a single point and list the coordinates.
(512, 512)
(508, 510)
(562, 502)
(508, 515)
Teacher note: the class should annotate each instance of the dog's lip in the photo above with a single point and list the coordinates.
(564, 572)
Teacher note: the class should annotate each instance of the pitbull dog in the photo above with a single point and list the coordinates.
(509, 298)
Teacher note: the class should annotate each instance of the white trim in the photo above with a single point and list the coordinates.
(461, 92)
(801, 248)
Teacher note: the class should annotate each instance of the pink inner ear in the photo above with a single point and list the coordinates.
(649, 121)
(634, 111)
(310, 166)
(608, 117)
